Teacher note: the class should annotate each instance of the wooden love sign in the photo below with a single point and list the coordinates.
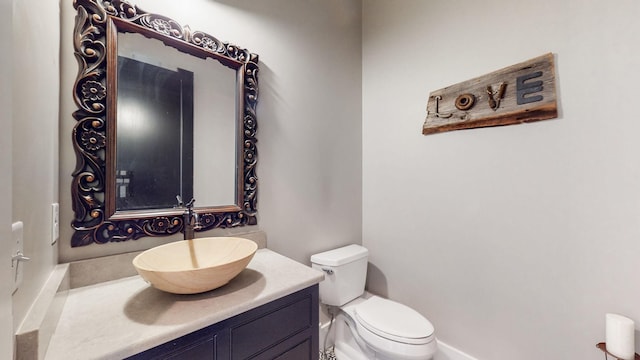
(517, 94)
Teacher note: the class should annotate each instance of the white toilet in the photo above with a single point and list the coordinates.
(366, 326)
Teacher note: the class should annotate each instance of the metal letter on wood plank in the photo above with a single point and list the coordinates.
(529, 88)
(520, 93)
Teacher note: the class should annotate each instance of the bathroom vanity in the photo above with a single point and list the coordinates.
(269, 311)
(284, 329)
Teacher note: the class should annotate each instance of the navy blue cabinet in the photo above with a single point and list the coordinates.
(284, 329)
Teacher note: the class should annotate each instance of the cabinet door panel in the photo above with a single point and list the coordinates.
(261, 333)
(301, 351)
(202, 350)
(199, 345)
(299, 347)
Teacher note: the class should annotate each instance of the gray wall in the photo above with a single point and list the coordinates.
(34, 131)
(309, 112)
(6, 120)
(515, 241)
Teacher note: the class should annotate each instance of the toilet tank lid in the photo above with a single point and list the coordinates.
(340, 256)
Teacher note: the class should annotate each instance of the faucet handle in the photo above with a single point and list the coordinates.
(179, 198)
(197, 225)
(190, 203)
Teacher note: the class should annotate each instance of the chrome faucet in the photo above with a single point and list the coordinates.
(190, 218)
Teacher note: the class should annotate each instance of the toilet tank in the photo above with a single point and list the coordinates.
(345, 271)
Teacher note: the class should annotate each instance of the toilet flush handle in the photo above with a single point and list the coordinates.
(328, 271)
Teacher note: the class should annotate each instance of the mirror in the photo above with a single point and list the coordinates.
(162, 111)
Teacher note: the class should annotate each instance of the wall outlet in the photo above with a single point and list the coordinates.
(55, 222)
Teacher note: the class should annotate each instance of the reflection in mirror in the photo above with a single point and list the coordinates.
(168, 104)
(186, 126)
(152, 165)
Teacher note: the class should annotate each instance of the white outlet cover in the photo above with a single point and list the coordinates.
(55, 222)
(17, 231)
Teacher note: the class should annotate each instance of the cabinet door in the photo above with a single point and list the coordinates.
(272, 328)
(300, 347)
(200, 344)
(198, 350)
(301, 351)
(277, 328)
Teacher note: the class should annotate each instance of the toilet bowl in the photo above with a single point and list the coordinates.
(369, 327)
(390, 329)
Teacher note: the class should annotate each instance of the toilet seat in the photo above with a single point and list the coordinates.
(393, 321)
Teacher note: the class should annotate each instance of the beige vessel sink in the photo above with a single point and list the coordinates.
(195, 266)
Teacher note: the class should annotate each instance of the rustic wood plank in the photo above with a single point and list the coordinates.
(520, 93)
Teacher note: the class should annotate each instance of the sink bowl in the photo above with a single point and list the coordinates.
(195, 266)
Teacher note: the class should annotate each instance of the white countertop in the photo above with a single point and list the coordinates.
(117, 319)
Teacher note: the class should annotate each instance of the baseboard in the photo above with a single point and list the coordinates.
(448, 352)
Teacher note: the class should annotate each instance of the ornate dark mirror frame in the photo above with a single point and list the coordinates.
(96, 220)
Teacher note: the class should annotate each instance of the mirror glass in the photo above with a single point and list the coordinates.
(176, 127)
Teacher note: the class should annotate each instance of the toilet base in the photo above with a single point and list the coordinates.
(342, 352)
(345, 353)
(346, 346)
